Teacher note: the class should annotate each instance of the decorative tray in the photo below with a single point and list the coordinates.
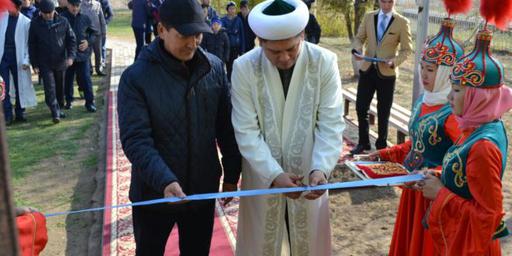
(375, 170)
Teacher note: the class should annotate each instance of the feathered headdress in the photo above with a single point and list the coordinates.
(6, 5)
(457, 6)
(479, 68)
(442, 49)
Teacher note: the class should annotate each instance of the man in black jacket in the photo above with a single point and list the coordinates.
(85, 36)
(250, 37)
(174, 109)
(52, 48)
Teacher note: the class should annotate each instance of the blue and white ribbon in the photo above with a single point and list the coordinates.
(392, 181)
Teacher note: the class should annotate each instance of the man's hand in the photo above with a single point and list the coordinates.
(431, 187)
(228, 187)
(69, 62)
(316, 178)
(83, 45)
(24, 210)
(174, 190)
(36, 70)
(357, 54)
(391, 63)
(288, 180)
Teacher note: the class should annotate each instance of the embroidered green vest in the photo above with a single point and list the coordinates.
(429, 140)
(454, 162)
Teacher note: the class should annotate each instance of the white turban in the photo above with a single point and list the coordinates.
(278, 26)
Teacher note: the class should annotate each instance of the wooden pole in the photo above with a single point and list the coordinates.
(8, 230)
(421, 35)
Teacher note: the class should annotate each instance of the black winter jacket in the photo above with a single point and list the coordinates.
(171, 118)
(50, 45)
(81, 25)
(217, 44)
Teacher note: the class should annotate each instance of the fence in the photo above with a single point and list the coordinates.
(466, 28)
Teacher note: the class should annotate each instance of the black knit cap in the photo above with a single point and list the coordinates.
(244, 3)
(75, 2)
(186, 16)
(16, 3)
(46, 6)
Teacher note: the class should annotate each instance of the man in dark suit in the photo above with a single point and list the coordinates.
(382, 31)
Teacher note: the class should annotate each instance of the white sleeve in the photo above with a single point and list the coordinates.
(328, 133)
(248, 134)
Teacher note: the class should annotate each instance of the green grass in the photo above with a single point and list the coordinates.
(39, 139)
(120, 27)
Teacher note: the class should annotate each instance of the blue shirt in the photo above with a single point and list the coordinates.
(30, 11)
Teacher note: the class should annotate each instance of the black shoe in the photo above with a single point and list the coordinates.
(100, 73)
(360, 149)
(56, 120)
(68, 105)
(381, 145)
(91, 108)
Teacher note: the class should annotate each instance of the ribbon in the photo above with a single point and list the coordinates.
(392, 181)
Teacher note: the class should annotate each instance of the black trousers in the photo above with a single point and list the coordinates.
(53, 82)
(152, 226)
(372, 81)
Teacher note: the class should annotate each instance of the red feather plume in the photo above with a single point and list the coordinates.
(457, 6)
(6, 5)
(497, 12)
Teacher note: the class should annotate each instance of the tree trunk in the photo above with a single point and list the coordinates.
(8, 230)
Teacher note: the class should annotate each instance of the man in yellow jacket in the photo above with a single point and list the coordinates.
(386, 36)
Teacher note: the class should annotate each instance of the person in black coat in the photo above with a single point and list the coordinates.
(313, 31)
(85, 36)
(249, 35)
(217, 42)
(52, 48)
(174, 109)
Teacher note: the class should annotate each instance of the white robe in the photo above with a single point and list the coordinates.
(27, 92)
(298, 135)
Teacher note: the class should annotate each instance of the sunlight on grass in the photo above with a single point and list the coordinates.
(39, 139)
(120, 27)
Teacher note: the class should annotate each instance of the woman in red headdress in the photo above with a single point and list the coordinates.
(466, 216)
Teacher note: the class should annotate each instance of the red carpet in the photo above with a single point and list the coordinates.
(117, 226)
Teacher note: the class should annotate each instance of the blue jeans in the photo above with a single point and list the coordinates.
(83, 79)
(9, 64)
(139, 39)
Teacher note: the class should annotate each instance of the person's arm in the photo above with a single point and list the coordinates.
(231, 158)
(242, 35)
(328, 133)
(32, 45)
(103, 24)
(248, 135)
(107, 11)
(361, 35)
(71, 43)
(135, 133)
(405, 45)
(227, 47)
(91, 32)
(464, 224)
(396, 153)
(26, 58)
